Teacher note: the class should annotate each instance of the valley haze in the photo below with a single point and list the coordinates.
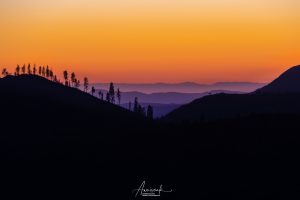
(184, 87)
(165, 97)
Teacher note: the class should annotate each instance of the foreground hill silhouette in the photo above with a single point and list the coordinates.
(57, 121)
(66, 141)
(280, 96)
(288, 82)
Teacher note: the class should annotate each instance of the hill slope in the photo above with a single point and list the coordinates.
(58, 126)
(288, 82)
(280, 96)
(41, 118)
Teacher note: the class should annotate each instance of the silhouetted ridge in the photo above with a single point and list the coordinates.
(43, 119)
(280, 96)
(288, 82)
(36, 89)
(66, 140)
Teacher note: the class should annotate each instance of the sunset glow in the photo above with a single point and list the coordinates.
(153, 40)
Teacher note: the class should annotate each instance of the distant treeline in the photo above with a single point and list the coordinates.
(72, 81)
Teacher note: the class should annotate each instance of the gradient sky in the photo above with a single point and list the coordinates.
(153, 40)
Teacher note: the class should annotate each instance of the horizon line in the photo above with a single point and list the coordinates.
(184, 82)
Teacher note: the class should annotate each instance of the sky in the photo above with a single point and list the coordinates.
(144, 41)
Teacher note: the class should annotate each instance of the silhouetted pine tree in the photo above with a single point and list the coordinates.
(150, 112)
(111, 92)
(51, 74)
(137, 108)
(136, 105)
(4, 72)
(100, 95)
(43, 71)
(29, 69)
(107, 97)
(86, 84)
(73, 79)
(119, 96)
(66, 77)
(40, 70)
(23, 69)
(77, 83)
(34, 69)
(141, 110)
(47, 71)
(18, 68)
(129, 106)
(93, 90)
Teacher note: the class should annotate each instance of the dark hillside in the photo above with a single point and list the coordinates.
(41, 118)
(280, 96)
(65, 143)
(288, 82)
(222, 106)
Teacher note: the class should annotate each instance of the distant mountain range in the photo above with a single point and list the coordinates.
(159, 110)
(186, 87)
(167, 97)
(280, 96)
(163, 103)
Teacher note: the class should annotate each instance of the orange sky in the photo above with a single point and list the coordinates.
(153, 40)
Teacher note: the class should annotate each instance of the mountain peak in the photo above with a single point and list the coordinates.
(287, 82)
